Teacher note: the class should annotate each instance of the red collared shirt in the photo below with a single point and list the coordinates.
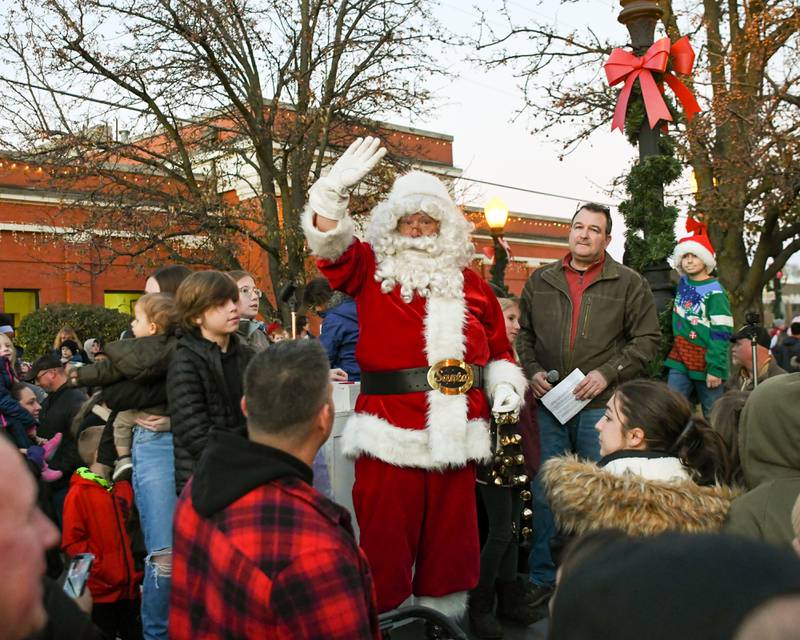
(577, 282)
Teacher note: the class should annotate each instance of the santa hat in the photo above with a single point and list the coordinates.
(274, 327)
(698, 244)
(412, 192)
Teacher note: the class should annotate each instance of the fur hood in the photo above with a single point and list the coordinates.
(584, 497)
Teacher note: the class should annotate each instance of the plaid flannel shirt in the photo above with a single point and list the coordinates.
(280, 562)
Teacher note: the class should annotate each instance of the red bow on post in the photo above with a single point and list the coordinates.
(697, 227)
(623, 66)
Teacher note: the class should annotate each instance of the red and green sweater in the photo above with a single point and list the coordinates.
(702, 325)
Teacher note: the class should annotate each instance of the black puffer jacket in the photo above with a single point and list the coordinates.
(199, 397)
(137, 359)
(134, 375)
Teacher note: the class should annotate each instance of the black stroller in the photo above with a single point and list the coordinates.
(398, 618)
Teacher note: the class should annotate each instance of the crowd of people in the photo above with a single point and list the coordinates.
(180, 456)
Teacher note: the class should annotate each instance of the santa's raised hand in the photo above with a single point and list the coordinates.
(330, 195)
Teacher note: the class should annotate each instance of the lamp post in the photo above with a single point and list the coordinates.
(496, 214)
(640, 18)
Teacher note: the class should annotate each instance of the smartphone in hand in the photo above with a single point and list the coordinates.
(78, 574)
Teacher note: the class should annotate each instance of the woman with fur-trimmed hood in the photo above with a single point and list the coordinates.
(660, 469)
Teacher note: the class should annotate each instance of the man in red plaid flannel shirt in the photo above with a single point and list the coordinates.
(259, 553)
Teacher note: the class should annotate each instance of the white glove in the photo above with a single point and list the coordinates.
(506, 400)
(330, 195)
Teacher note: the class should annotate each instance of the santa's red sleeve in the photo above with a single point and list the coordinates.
(341, 257)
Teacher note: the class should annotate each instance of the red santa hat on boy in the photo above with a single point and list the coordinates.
(698, 244)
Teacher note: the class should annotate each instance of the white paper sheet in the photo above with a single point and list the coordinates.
(560, 400)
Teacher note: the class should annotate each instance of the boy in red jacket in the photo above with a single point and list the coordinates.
(95, 515)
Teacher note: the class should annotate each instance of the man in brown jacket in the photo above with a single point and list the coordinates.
(589, 312)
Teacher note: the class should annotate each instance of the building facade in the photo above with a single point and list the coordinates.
(44, 260)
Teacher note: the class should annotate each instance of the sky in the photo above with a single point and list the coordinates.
(479, 106)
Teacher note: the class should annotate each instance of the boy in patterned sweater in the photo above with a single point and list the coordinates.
(701, 321)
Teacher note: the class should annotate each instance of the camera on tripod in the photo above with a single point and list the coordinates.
(752, 319)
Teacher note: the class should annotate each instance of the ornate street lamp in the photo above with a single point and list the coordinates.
(496, 214)
(640, 18)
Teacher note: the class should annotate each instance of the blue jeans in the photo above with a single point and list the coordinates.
(576, 436)
(154, 489)
(683, 384)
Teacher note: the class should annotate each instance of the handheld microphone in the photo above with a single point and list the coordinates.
(552, 376)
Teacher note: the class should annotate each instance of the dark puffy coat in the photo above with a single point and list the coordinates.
(787, 354)
(58, 410)
(134, 375)
(137, 359)
(339, 336)
(199, 397)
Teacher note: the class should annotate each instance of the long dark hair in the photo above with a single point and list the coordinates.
(669, 426)
(725, 421)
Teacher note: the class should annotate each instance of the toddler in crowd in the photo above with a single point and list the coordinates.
(96, 514)
(276, 332)
(71, 352)
(142, 359)
(18, 423)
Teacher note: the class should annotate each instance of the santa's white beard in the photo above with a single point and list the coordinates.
(418, 265)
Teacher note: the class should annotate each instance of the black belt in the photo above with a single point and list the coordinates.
(450, 377)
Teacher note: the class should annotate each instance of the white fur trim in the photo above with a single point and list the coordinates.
(447, 415)
(666, 469)
(690, 246)
(328, 245)
(453, 605)
(444, 328)
(367, 434)
(498, 371)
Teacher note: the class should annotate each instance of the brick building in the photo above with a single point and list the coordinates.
(44, 260)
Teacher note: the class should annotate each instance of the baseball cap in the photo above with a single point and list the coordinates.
(43, 364)
(762, 335)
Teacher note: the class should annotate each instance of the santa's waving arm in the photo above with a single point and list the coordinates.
(328, 228)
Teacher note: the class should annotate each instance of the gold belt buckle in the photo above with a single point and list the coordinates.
(451, 377)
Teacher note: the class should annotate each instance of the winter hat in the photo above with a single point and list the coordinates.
(412, 192)
(698, 244)
(420, 185)
(274, 327)
(72, 346)
(680, 586)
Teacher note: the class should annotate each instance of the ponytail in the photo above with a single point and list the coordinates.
(666, 419)
(703, 451)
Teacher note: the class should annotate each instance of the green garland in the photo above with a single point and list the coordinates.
(650, 236)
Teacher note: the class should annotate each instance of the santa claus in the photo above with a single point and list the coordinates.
(433, 353)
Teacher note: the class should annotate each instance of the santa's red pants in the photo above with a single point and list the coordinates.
(421, 520)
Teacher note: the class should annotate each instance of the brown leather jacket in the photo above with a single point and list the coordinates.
(618, 333)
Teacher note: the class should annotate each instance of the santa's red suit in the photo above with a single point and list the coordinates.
(414, 491)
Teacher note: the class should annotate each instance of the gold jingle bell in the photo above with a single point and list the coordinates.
(527, 513)
(525, 495)
(526, 532)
